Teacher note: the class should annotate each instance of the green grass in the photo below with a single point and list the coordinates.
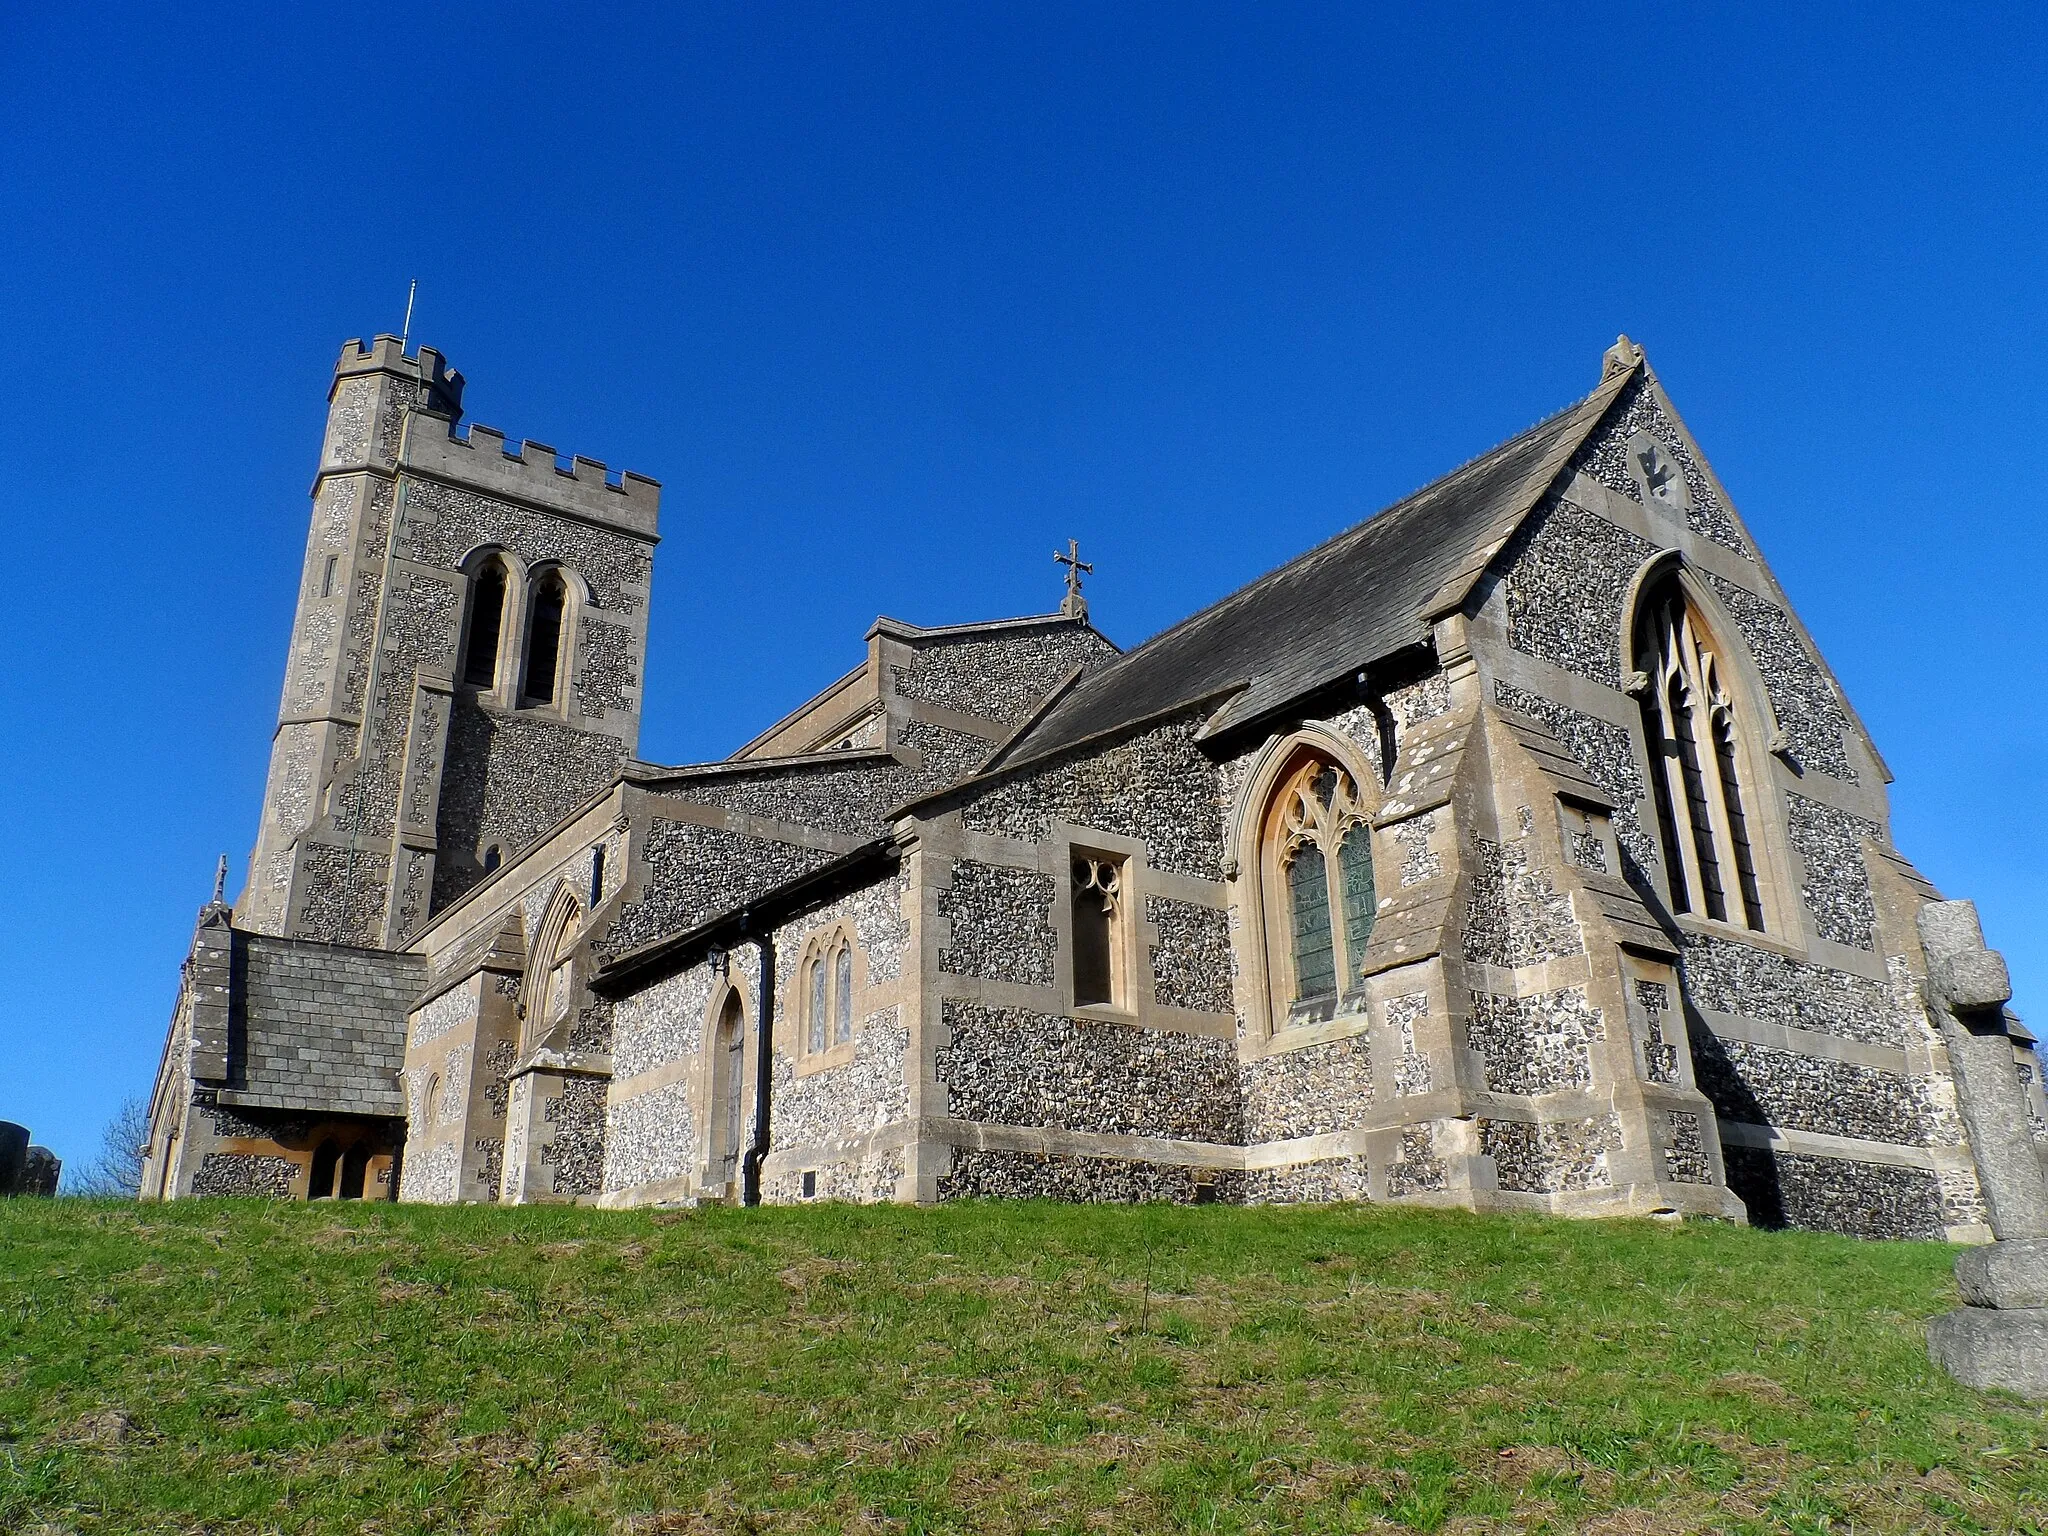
(252, 1367)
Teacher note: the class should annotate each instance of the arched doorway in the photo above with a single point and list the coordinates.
(728, 1089)
(355, 1167)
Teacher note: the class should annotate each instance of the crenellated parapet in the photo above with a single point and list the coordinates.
(533, 474)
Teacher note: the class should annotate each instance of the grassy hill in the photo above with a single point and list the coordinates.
(236, 1367)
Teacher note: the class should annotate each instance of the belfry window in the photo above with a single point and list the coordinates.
(486, 619)
(1316, 851)
(544, 638)
(1691, 723)
(1098, 902)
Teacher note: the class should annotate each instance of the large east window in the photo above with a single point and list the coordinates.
(1695, 736)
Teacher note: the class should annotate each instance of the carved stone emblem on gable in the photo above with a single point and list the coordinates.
(1656, 470)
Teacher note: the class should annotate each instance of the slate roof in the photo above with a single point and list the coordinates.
(1362, 596)
(318, 1027)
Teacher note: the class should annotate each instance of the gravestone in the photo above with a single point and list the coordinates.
(40, 1173)
(13, 1156)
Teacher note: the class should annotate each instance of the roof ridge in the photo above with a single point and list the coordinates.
(1102, 676)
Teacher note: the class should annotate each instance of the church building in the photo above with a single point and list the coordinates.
(1515, 849)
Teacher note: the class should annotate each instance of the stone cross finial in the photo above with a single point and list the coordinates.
(220, 882)
(1074, 606)
(2000, 1338)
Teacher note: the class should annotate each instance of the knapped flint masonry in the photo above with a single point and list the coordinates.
(1513, 850)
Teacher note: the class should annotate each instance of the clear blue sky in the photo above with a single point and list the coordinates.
(893, 298)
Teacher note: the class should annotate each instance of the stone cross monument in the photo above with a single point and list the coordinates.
(2000, 1339)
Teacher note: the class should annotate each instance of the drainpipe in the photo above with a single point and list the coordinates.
(764, 1072)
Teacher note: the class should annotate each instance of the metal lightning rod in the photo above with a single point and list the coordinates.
(406, 336)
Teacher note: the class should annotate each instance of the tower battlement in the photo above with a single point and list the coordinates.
(533, 472)
(387, 354)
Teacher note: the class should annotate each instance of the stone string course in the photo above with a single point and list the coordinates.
(1011, 1067)
(1191, 963)
(1535, 1044)
(1547, 1158)
(1514, 916)
(1761, 1085)
(1001, 923)
(1740, 979)
(1836, 885)
(1308, 1092)
(997, 679)
(1157, 786)
(1568, 573)
(1828, 1194)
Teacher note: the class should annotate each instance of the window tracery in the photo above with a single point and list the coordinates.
(825, 985)
(1098, 920)
(1316, 865)
(1694, 730)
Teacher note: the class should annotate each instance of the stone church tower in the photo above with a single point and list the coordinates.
(465, 664)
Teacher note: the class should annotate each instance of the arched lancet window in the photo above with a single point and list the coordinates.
(544, 638)
(826, 990)
(842, 994)
(728, 1088)
(320, 1183)
(486, 619)
(1694, 730)
(1316, 869)
(549, 988)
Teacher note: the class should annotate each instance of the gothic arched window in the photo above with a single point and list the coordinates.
(544, 638)
(1695, 734)
(1316, 869)
(486, 619)
(825, 982)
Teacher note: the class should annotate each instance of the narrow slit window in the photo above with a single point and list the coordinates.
(486, 619)
(1098, 887)
(544, 639)
(819, 1023)
(597, 874)
(327, 575)
(842, 995)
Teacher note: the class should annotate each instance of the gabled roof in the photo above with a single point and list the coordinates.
(1362, 596)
